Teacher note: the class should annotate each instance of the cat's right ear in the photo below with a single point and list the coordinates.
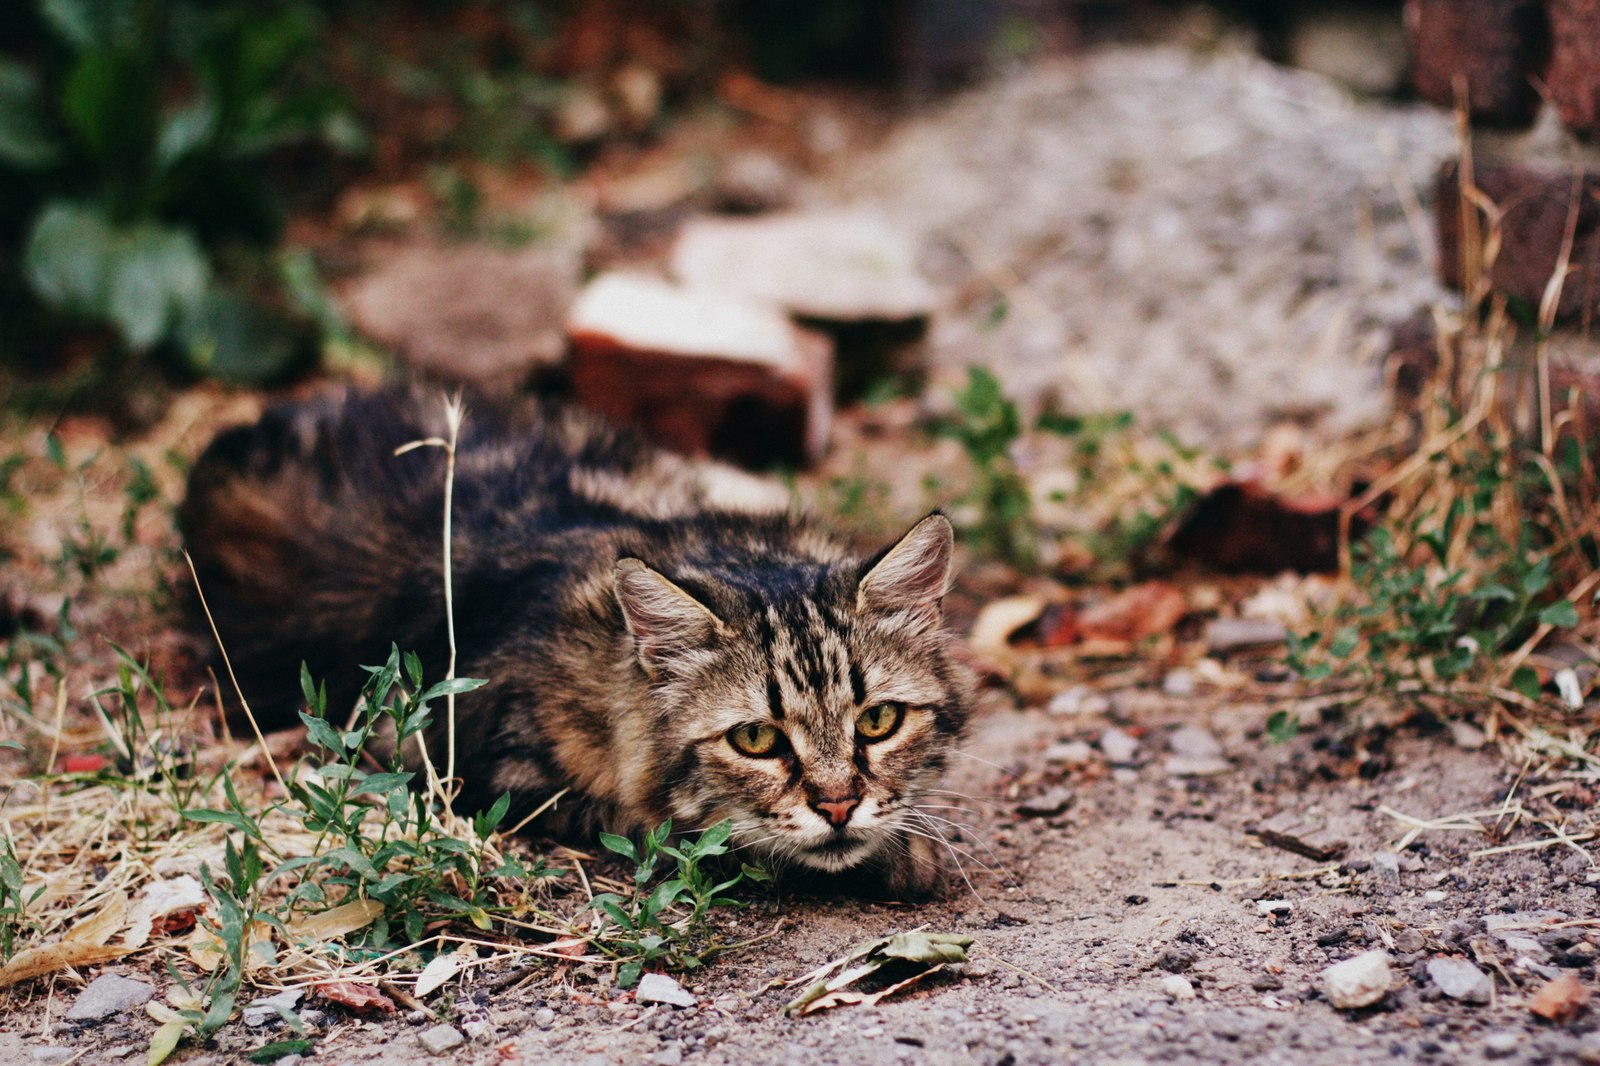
(671, 629)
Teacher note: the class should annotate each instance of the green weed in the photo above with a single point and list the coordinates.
(666, 922)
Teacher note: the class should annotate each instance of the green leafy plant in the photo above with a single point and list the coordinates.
(1125, 491)
(14, 900)
(667, 922)
(132, 134)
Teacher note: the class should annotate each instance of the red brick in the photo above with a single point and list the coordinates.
(1498, 46)
(1574, 76)
(1537, 204)
(702, 373)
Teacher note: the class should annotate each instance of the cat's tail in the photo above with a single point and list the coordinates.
(314, 543)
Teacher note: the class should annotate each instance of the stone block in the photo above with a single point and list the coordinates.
(1499, 47)
(702, 373)
(470, 313)
(1573, 80)
(1538, 203)
(834, 266)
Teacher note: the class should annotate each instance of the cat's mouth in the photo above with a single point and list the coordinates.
(837, 852)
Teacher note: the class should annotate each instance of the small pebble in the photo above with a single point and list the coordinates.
(1502, 1042)
(52, 1054)
(1177, 987)
(1386, 864)
(671, 1055)
(1120, 747)
(1069, 753)
(544, 1017)
(441, 1039)
(659, 988)
(1273, 906)
(1179, 683)
(1233, 634)
(1077, 700)
(1047, 804)
(1460, 979)
(1358, 982)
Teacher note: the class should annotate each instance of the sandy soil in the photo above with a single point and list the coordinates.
(1080, 919)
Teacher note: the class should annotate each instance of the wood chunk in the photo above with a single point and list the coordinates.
(1496, 47)
(1290, 832)
(702, 373)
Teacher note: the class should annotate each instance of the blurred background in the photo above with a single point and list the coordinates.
(1123, 285)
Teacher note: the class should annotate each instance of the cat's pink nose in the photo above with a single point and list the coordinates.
(837, 811)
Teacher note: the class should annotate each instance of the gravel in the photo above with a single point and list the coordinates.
(1358, 982)
(1460, 979)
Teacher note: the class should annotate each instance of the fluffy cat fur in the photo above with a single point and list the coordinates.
(630, 612)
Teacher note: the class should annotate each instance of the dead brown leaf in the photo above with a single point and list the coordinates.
(361, 998)
(1136, 613)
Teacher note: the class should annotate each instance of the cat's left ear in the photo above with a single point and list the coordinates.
(912, 576)
(671, 629)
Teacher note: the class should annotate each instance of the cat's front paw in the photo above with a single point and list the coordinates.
(918, 870)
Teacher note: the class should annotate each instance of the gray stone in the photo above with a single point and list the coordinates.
(1466, 735)
(1460, 979)
(670, 1055)
(478, 1030)
(52, 1054)
(1386, 864)
(544, 1017)
(1233, 634)
(108, 995)
(1047, 804)
(265, 1011)
(1177, 987)
(1195, 753)
(659, 988)
(1069, 753)
(471, 313)
(1119, 747)
(441, 1039)
(1179, 683)
(1502, 1042)
(1358, 982)
(831, 265)
(1077, 700)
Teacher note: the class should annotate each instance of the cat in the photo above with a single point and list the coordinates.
(658, 639)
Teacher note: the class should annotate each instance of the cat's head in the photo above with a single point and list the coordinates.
(813, 702)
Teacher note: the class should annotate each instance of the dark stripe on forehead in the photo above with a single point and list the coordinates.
(858, 684)
(775, 698)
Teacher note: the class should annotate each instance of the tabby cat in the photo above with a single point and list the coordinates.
(657, 640)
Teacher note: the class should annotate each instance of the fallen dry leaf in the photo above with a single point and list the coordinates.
(933, 951)
(164, 908)
(1135, 613)
(110, 920)
(363, 999)
(999, 619)
(38, 961)
(572, 947)
(338, 921)
(441, 968)
(1560, 1000)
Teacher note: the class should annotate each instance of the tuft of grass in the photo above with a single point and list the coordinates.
(1489, 540)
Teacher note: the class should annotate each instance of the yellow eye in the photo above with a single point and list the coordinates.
(755, 738)
(878, 721)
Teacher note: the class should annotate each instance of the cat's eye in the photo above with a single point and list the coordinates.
(879, 721)
(758, 739)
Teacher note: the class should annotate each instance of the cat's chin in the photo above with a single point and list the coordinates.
(888, 869)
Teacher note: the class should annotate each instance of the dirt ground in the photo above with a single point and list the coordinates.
(1083, 918)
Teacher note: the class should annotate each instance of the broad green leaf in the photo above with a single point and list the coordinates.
(230, 336)
(87, 24)
(275, 1051)
(619, 844)
(1526, 682)
(25, 141)
(1561, 614)
(455, 685)
(930, 948)
(138, 277)
(112, 104)
(628, 974)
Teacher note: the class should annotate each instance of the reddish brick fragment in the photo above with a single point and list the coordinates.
(1574, 77)
(702, 373)
(1498, 47)
(1538, 206)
